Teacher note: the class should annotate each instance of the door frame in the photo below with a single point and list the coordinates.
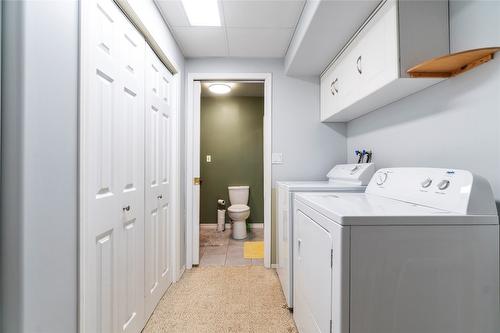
(190, 144)
(175, 167)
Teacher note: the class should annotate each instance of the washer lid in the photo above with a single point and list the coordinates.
(369, 209)
(354, 174)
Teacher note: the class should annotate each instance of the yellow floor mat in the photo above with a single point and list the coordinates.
(253, 250)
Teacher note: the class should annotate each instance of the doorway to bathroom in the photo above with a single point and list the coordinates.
(228, 195)
(232, 172)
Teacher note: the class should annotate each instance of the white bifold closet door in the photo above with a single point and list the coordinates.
(112, 289)
(158, 225)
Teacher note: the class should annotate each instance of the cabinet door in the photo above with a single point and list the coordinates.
(370, 62)
(377, 54)
(312, 276)
(340, 85)
(336, 85)
(350, 76)
(330, 98)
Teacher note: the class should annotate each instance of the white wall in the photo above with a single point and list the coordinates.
(454, 124)
(310, 148)
(39, 173)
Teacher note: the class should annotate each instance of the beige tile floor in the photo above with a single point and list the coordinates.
(219, 249)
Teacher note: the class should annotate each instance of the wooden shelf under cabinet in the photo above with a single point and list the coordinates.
(453, 64)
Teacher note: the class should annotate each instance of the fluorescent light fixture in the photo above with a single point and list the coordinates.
(204, 13)
(219, 88)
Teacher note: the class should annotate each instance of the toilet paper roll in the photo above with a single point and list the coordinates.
(221, 202)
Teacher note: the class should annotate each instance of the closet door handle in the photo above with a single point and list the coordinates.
(160, 196)
(358, 65)
(126, 208)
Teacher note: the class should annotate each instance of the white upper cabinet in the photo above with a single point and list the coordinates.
(370, 71)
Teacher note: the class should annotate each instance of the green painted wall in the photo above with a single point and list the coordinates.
(232, 133)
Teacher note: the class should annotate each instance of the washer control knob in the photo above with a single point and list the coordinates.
(381, 177)
(443, 185)
(426, 183)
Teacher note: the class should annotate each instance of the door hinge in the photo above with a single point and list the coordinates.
(331, 258)
(197, 181)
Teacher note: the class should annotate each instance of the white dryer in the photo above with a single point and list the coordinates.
(341, 178)
(418, 252)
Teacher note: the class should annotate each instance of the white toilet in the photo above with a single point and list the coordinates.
(239, 211)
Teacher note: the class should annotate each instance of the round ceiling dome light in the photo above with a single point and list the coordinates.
(219, 88)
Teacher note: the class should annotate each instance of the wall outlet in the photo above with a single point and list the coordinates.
(209, 158)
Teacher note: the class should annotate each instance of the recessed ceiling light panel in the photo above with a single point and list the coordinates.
(202, 13)
(219, 88)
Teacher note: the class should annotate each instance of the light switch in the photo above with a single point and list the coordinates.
(209, 158)
(277, 158)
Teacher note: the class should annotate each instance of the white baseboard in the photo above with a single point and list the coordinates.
(228, 225)
(274, 265)
(213, 225)
(208, 225)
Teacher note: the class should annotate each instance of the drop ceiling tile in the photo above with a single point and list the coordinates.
(264, 43)
(262, 13)
(202, 41)
(173, 12)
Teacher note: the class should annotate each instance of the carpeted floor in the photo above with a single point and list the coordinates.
(223, 299)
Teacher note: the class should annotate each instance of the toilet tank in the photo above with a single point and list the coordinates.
(238, 195)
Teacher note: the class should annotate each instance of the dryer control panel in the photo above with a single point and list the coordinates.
(352, 174)
(453, 190)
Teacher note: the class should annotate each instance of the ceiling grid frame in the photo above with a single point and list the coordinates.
(249, 29)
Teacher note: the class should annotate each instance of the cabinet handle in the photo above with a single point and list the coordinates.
(126, 208)
(358, 65)
(160, 196)
(334, 89)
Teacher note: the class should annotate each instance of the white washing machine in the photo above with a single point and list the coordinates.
(418, 252)
(341, 178)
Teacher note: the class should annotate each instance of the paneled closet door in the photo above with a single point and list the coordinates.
(158, 273)
(113, 170)
(130, 169)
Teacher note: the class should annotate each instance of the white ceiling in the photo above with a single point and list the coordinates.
(250, 28)
(245, 89)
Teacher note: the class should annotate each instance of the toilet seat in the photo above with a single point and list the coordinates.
(238, 208)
